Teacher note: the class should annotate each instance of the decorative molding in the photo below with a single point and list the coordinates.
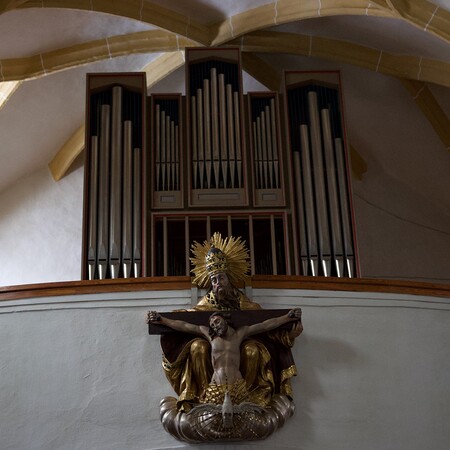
(274, 282)
(351, 284)
(94, 287)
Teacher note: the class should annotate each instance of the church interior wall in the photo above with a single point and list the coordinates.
(401, 203)
(81, 372)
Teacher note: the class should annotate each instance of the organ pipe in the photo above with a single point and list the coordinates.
(113, 229)
(201, 155)
(194, 141)
(322, 212)
(274, 141)
(222, 128)
(167, 158)
(207, 114)
(93, 209)
(319, 186)
(177, 158)
(345, 208)
(215, 124)
(262, 164)
(333, 200)
(127, 231)
(257, 168)
(300, 214)
(103, 216)
(265, 142)
(137, 213)
(115, 222)
(237, 129)
(172, 156)
(309, 211)
(231, 135)
(217, 134)
(158, 146)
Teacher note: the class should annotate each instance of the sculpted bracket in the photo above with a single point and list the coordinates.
(228, 360)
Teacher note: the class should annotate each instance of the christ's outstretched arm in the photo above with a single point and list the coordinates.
(294, 315)
(178, 325)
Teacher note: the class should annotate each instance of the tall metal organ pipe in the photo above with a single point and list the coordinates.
(115, 223)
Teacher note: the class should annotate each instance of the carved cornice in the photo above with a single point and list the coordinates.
(276, 282)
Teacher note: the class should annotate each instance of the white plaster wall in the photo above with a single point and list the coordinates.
(402, 204)
(40, 229)
(81, 372)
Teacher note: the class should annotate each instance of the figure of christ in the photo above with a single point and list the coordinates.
(225, 340)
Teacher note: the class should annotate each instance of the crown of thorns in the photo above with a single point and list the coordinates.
(217, 255)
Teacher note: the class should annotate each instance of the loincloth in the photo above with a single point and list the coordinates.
(215, 393)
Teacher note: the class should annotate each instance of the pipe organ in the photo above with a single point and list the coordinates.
(265, 143)
(165, 170)
(214, 93)
(113, 210)
(167, 150)
(322, 201)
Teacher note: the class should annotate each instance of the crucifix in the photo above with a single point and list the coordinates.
(225, 337)
(226, 353)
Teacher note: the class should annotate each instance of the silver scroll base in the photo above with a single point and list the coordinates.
(217, 423)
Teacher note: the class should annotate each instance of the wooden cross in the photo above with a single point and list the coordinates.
(238, 318)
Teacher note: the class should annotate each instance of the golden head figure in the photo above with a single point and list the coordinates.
(220, 255)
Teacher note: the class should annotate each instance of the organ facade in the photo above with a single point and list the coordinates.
(165, 170)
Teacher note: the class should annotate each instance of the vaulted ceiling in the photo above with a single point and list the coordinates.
(47, 47)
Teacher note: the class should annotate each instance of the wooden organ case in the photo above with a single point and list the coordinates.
(268, 166)
(114, 194)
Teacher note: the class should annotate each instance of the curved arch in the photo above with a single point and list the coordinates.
(425, 15)
(262, 42)
(286, 11)
(153, 41)
(141, 10)
(420, 13)
(411, 67)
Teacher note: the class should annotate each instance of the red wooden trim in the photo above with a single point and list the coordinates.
(257, 282)
(351, 284)
(94, 287)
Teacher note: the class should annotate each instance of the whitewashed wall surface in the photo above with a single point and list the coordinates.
(81, 372)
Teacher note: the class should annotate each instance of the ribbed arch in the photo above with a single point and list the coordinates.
(156, 41)
(421, 13)
(178, 31)
(410, 67)
(153, 41)
(287, 11)
(425, 15)
(141, 10)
